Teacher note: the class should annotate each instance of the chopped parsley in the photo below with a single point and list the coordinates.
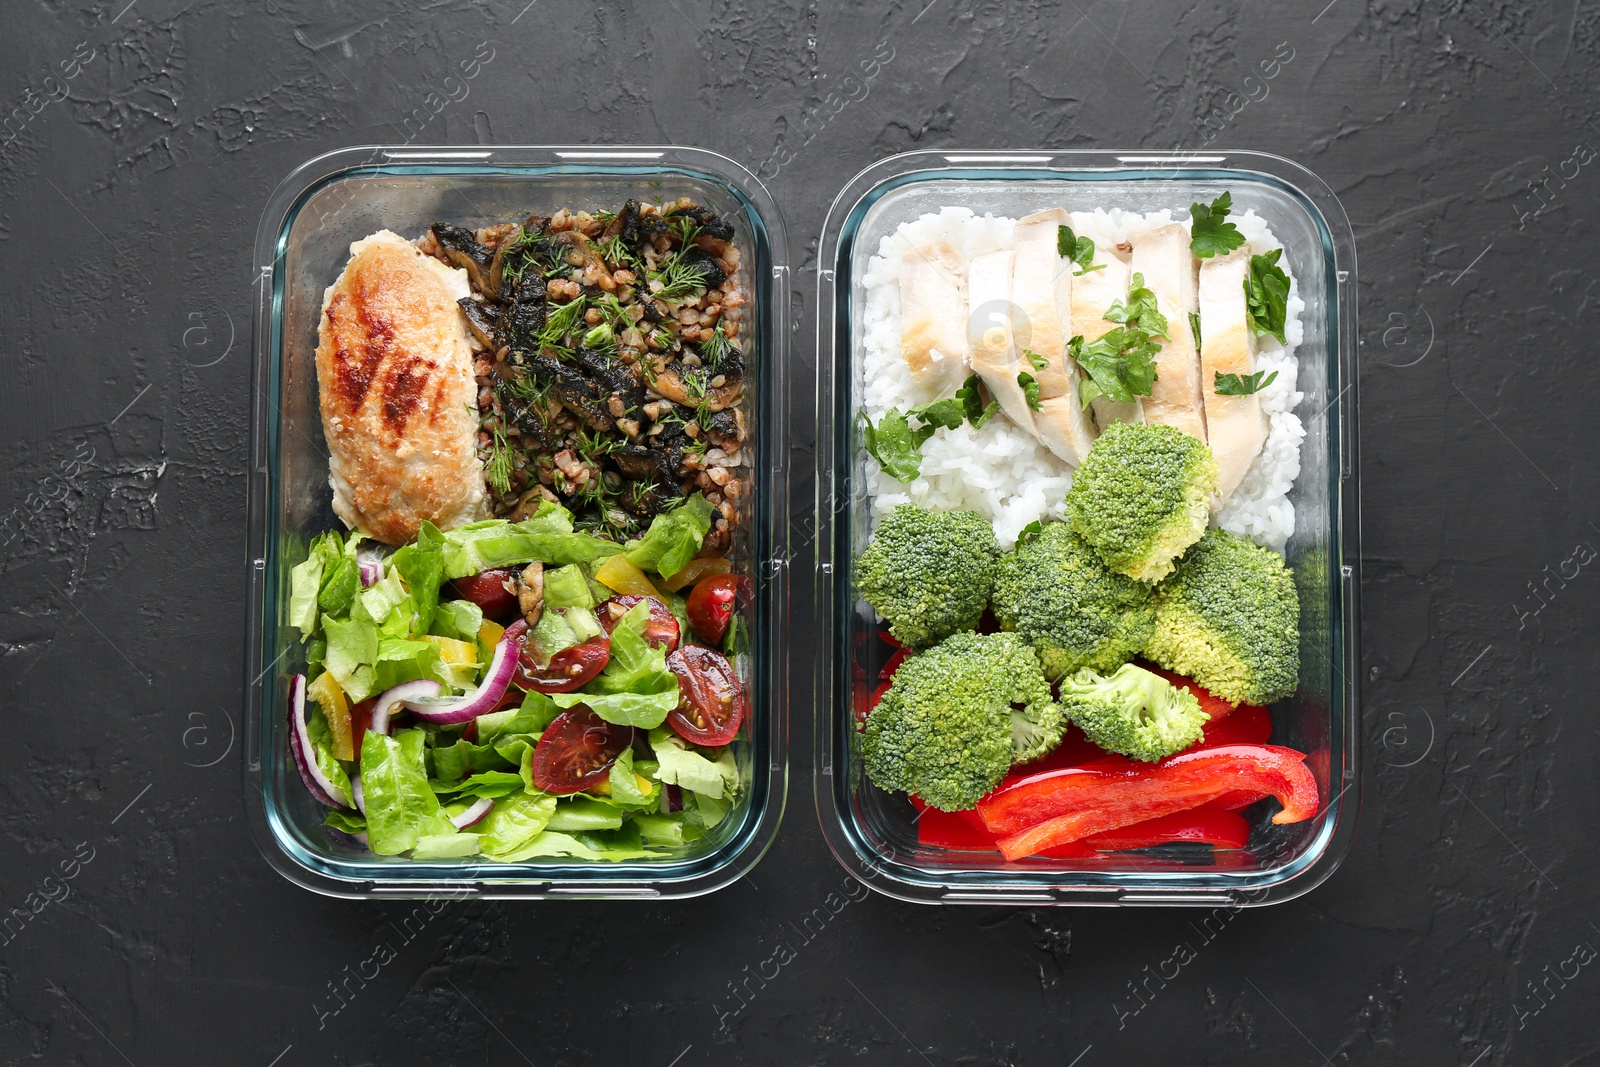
(1120, 364)
(1079, 250)
(1243, 385)
(1030, 389)
(1038, 361)
(897, 445)
(1194, 328)
(1266, 295)
(1212, 233)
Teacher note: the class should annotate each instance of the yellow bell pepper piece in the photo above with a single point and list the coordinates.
(336, 709)
(618, 573)
(461, 653)
(697, 569)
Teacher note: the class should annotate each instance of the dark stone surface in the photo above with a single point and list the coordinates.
(129, 198)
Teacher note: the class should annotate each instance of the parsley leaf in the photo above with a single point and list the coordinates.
(1194, 327)
(1029, 532)
(1038, 361)
(1266, 295)
(1030, 389)
(1140, 310)
(947, 412)
(1212, 233)
(1243, 385)
(1120, 364)
(972, 403)
(1079, 250)
(894, 444)
(897, 445)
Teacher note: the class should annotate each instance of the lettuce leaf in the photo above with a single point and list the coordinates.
(624, 782)
(514, 822)
(462, 760)
(446, 846)
(421, 566)
(537, 712)
(352, 649)
(460, 619)
(660, 829)
(636, 688)
(551, 843)
(401, 807)
(485, 784)
(547, 536)
(684, 767)
(322, 752)
(585, 813)
(674, 537)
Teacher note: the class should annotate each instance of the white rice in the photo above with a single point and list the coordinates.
(1004, 473)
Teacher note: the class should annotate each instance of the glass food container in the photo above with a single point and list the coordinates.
(872, 832)
(301, 247)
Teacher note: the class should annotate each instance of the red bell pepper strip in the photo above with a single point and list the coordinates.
(901, 654)
(1249, 724)
(1058, 807)
(1220, 829)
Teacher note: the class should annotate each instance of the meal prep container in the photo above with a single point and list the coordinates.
(873, 832)
(301, 247)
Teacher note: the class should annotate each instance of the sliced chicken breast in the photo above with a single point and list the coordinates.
(1064, 427)
(990, 345)
(1161, 254)
(1041, 288)
(1092, 294)
(1235, 425)
(933, 317)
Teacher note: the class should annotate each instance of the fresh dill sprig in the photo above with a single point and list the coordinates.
(561, 320)
(497, 471)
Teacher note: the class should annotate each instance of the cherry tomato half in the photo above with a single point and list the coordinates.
(576, 751)
(711, 702)
(712, 603)
(661, 631)
(490, 591)
(571, 668)
(361, 721)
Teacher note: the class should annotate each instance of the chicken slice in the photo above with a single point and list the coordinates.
(1161, 254)
(1092, 294)
(1041, 288)
(933, 314)
(991, 351)
(1064, 427)
(1235, 425)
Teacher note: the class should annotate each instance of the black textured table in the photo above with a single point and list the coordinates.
(140, 924)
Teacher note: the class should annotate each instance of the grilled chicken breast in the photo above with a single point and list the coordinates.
(1161, 254)
(991, 346)
(933, 317)
(399, 402)
(1236, 428)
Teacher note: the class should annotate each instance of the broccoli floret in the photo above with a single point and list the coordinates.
(1133, 711)
(1230, 619)
(1056, 592)
(929, 572)
(1142, 496)
(958, 716)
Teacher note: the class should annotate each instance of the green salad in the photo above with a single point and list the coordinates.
(517, 691)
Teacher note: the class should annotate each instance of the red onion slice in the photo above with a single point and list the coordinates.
(305, 758)
(371, 572)
(357, 796)
(448, 711)
(473, 815)
(392, 698)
